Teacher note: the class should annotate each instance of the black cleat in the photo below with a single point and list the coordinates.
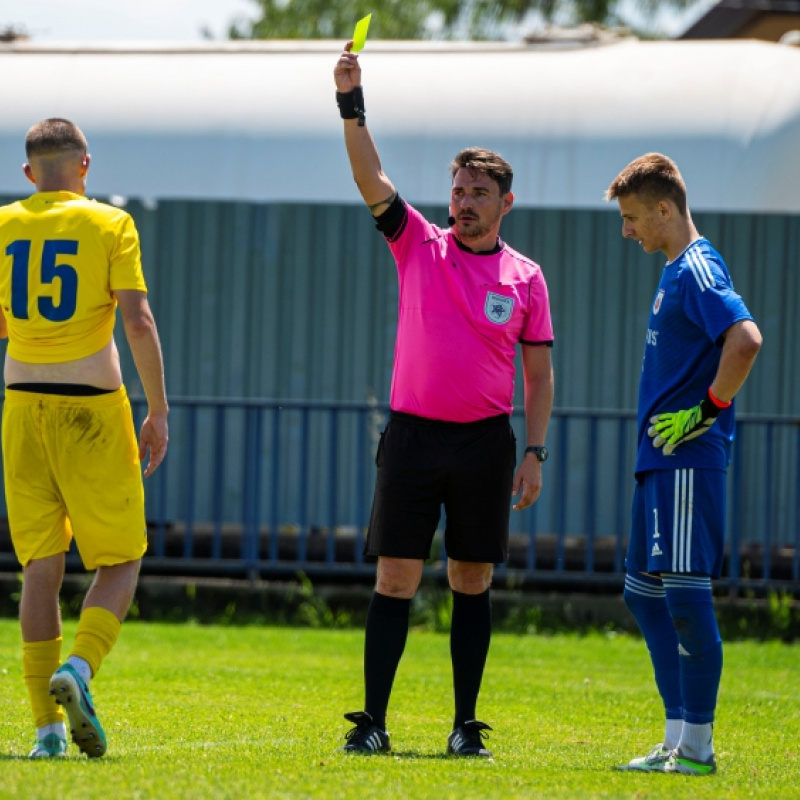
(467, 740)
(366, 738)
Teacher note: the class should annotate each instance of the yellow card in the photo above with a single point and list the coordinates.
(360, 34)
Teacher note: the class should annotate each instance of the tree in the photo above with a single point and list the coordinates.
(424, 19)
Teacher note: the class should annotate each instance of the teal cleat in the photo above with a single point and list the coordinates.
(51, 746)
(71, 692)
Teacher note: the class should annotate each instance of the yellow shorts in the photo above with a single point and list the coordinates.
(71, 467)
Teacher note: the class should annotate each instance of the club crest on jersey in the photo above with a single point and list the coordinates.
(657, 303)
(498, 308)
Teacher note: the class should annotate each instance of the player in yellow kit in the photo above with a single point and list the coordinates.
(71, 458)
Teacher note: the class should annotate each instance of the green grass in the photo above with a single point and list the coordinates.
(226, 712)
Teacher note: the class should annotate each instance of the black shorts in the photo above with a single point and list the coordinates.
(467, 467)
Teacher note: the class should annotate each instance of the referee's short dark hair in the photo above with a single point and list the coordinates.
(490, 163)
(652, 177)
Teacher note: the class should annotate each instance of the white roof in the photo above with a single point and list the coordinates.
(257, 121)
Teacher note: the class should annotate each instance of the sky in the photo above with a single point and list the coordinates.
(122, 20)
(175, 20)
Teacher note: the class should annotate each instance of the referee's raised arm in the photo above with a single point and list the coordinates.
(376, 189)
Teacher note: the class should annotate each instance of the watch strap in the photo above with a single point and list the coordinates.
(538, 450)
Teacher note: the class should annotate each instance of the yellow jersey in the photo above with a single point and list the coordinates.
(62, 257)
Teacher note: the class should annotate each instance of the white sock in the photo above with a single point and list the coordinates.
(59, 728)
(695, 741)
(81, 667)
(673, 733)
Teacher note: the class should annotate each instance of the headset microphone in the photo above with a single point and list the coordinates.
(451, 221)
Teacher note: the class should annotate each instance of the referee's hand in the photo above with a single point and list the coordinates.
(347, 73)
(528, 480)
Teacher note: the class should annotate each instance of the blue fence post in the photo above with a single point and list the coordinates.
(622, 513)
(532, 528)
(796, 538)
(734, 560)
(361, 489)
(161, 512)
(590, 520)
(218, 490)
(768, 472)
(561, 500)
(252, 484)
(275, 473)
(155, 488)
(333, 458)
(191, 449)
(302, 520)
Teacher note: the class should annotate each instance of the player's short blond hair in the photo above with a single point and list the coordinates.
(652, 177)
(54, 136)
(486, 161)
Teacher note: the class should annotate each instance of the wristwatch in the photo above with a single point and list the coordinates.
(539, 451)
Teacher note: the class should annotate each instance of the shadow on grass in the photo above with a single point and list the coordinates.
(72, 758)
(416, 755)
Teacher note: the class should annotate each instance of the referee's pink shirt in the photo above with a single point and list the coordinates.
(460, 319)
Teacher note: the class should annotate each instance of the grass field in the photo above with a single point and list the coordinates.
(252, 712)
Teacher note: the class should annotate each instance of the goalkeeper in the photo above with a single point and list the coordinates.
(700, 345)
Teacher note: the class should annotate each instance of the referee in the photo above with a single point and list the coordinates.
(466, 301)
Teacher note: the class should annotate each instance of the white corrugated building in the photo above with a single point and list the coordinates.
(257, 121)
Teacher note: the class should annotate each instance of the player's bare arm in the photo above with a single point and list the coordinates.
(375, 187)
(3, 325)
(140, 330)
(742, 343)
(537, 370)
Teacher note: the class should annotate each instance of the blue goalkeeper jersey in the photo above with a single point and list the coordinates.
(694, 305)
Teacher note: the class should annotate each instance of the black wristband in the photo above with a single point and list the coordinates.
(708, 409)
(351, 105)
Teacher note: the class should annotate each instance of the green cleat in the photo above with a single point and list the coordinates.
(685, 766)
(52, 746)
(71, 692)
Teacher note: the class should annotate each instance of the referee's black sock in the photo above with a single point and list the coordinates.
(384, 642)
(470, 633)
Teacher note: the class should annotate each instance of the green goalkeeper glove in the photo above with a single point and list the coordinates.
(669, 430)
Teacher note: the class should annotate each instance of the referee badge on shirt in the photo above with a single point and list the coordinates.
(498, 308)
(657, 303)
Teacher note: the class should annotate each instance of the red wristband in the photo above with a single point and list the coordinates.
(716, 401)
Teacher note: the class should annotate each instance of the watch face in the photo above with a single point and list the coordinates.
(541, 453)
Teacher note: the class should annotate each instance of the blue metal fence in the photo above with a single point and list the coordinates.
(272, 487)
(268, 486)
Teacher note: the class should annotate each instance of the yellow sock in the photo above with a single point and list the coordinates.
(39, 661)
(98, 630)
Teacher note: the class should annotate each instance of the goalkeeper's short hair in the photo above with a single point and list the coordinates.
(652, 177)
